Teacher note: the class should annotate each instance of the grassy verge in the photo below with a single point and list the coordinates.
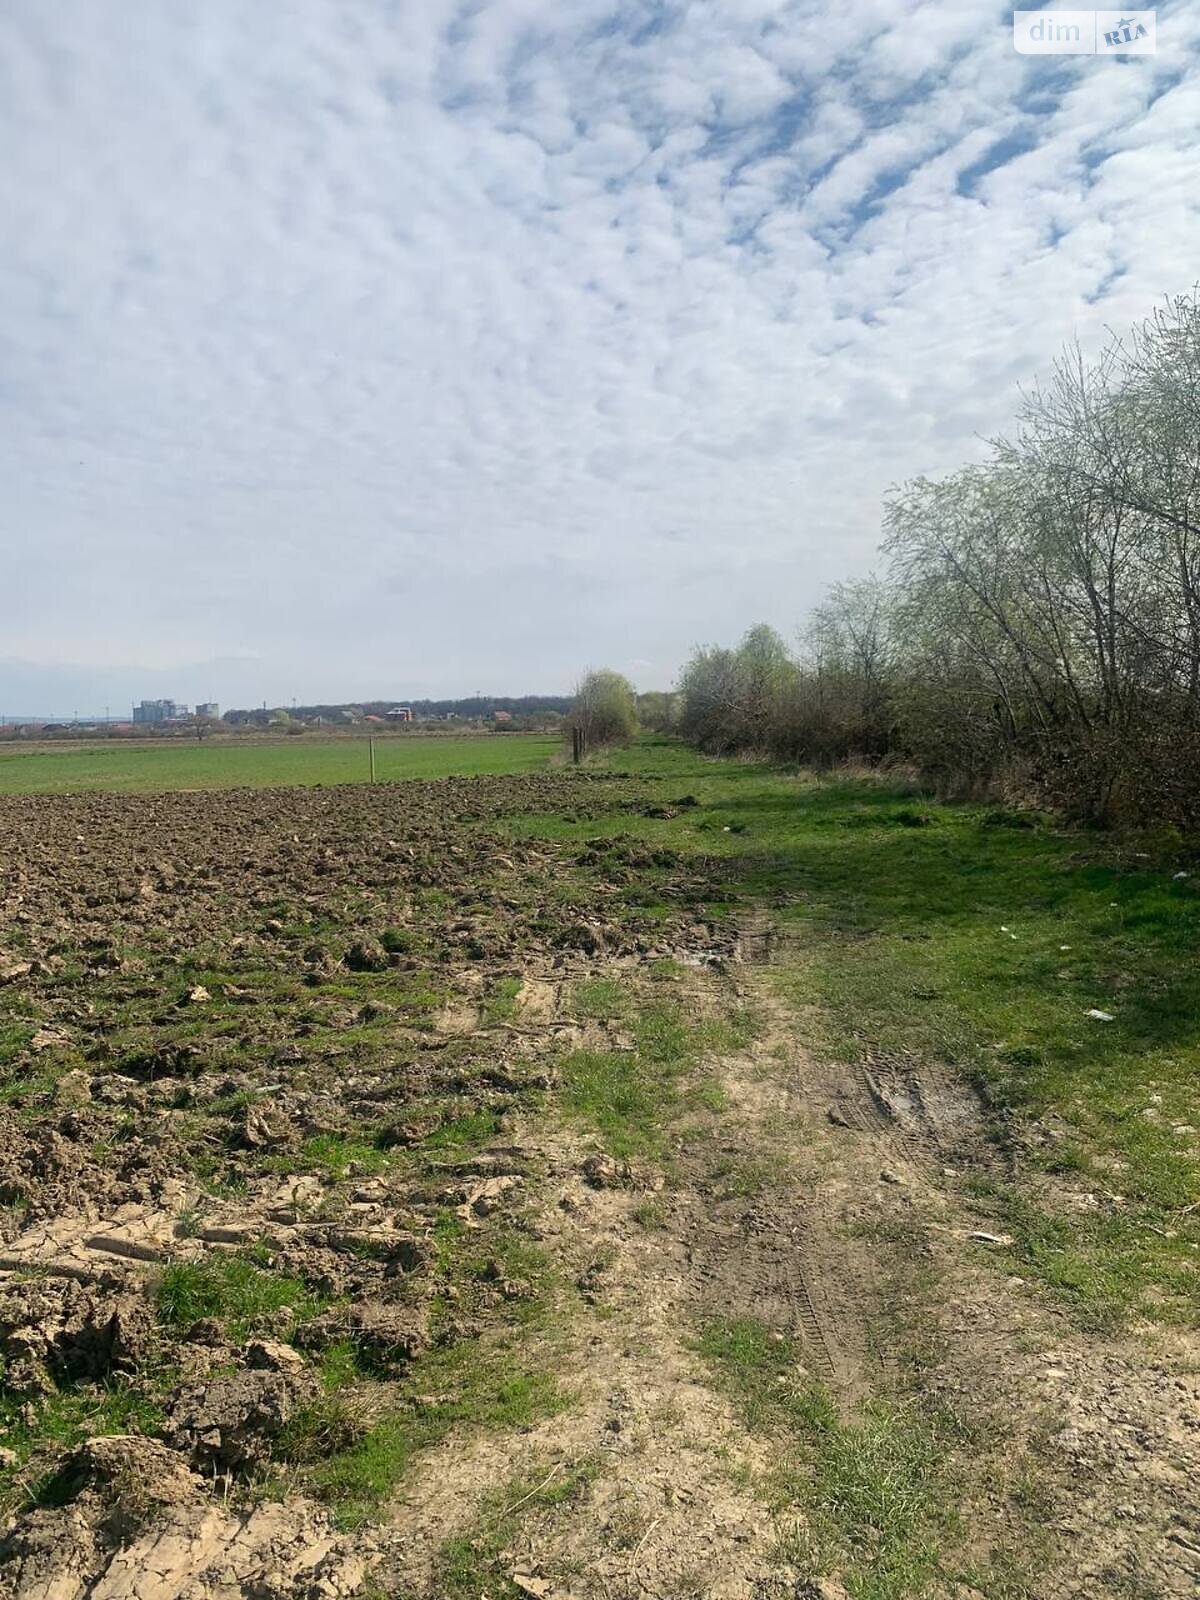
(983, 939)
(877, 1499)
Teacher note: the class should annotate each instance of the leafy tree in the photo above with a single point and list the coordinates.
(604, 709)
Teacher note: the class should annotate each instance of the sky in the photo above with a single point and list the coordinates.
(357, 348)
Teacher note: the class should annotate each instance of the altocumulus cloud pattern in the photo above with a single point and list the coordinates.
(448, 344)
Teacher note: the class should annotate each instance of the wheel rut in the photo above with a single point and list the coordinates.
(786, 1257)
(885, 1129)
(915, 1114)
(764, 1266)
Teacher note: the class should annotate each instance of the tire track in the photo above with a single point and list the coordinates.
(765, 1268)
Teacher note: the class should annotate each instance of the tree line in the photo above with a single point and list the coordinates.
(470, 708)
(1035, 628)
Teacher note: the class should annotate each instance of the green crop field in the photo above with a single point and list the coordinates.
(232, 763)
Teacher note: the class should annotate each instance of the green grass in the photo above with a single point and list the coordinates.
(500, 1002)
(242, 1295)
(469, 1387)
(630, 1097)
(600, 997)
(1102, 1264)
(501, 1379)
(464, 1134)
(228, 762)
(41, 1432)
(335, 1155)
(869, 1493)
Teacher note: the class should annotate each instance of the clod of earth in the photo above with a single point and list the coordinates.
(229, 1424)
(57, 1330)
(138, 1525)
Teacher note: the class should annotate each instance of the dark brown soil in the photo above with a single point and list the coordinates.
(250, 1026)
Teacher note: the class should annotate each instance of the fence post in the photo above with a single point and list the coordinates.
(371, 742)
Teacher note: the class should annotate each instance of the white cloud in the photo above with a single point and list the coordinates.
(429, 345)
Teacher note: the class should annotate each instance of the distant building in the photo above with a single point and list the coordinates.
(208, 708)
(159, 711)
(400, 714)
(501, 716)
